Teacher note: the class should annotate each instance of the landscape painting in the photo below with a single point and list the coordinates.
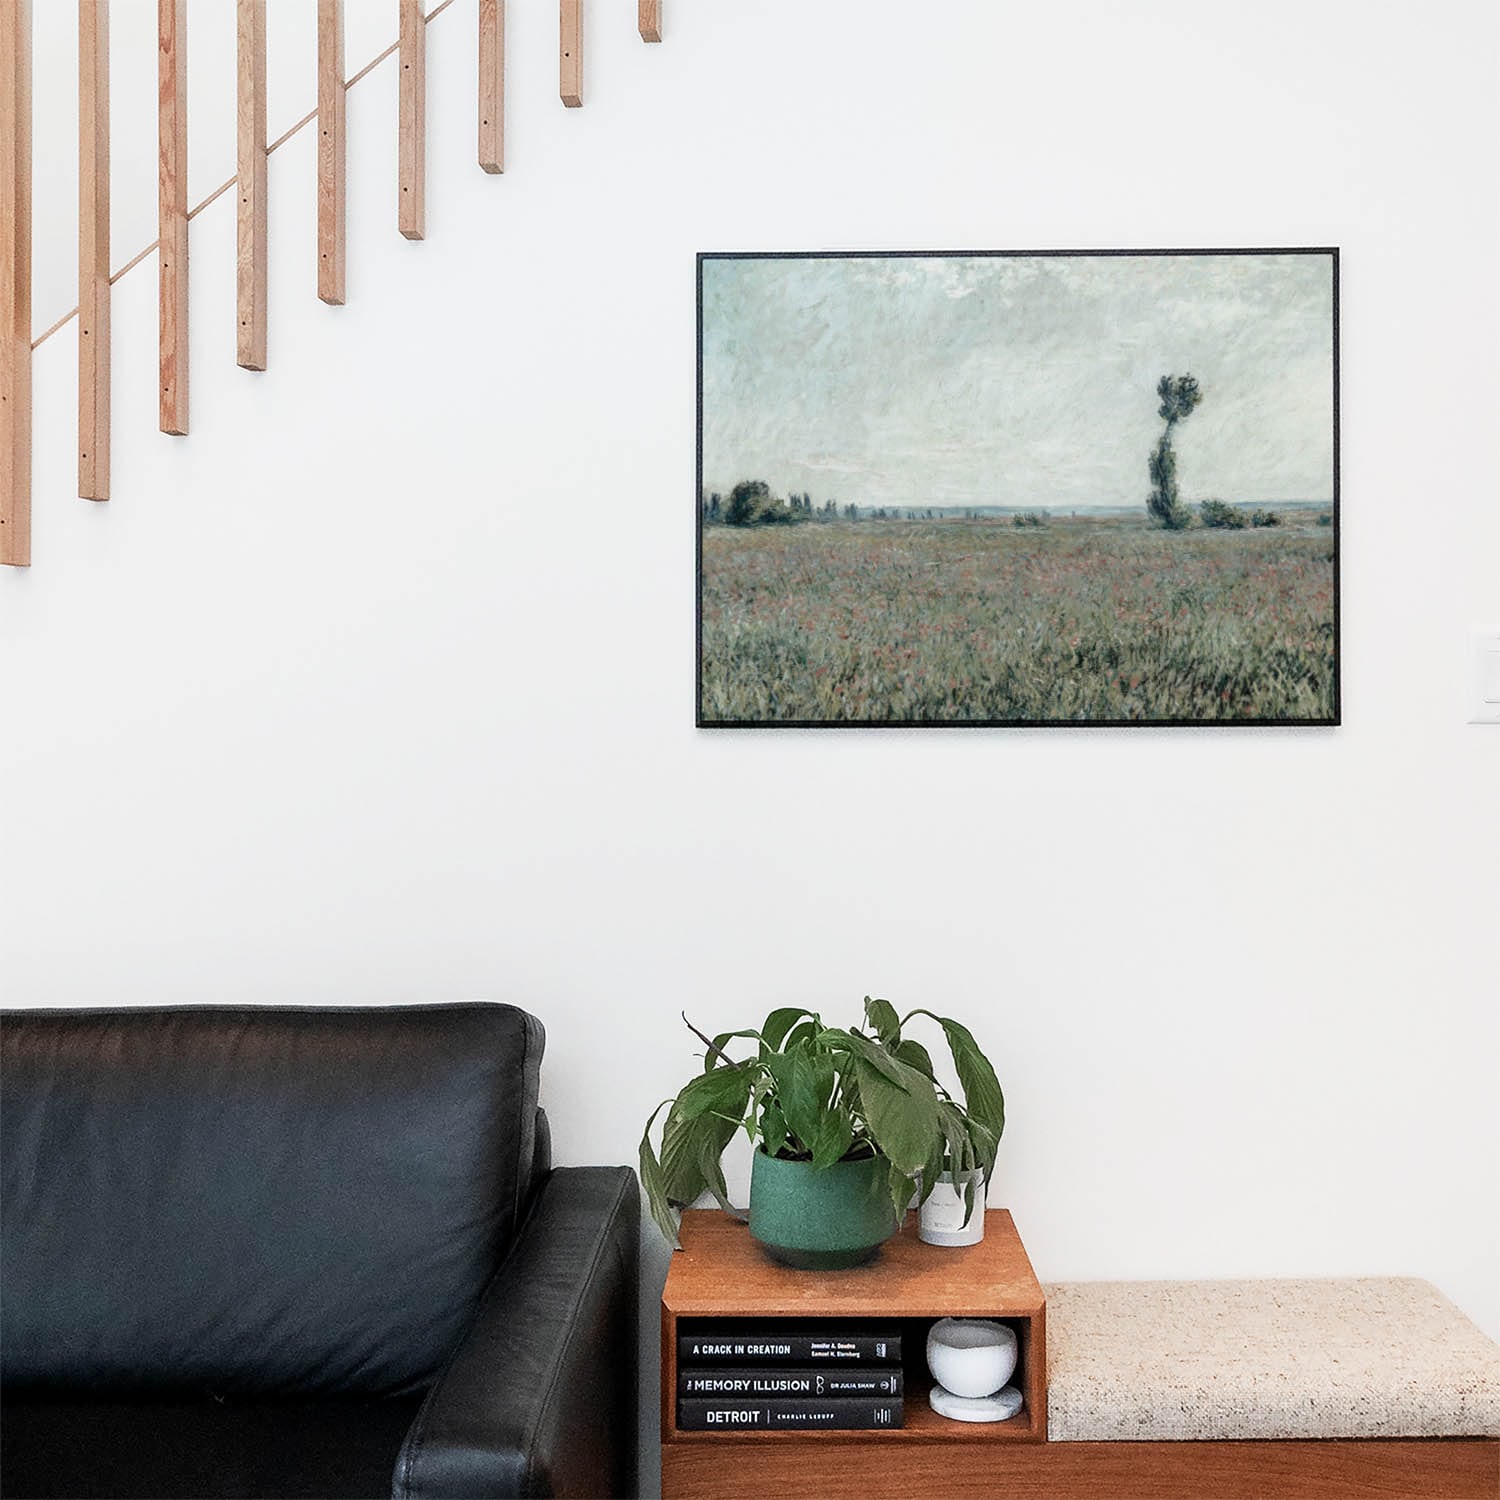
(1061, 488)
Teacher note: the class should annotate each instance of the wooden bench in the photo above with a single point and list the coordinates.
(1266, 1388)
(1230, 1390)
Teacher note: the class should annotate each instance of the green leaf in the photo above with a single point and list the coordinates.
(690, 1157)
(898, 1104)
(682, 1178)
(914, 1055)
(713, 1118)
(971, 1192)
(958, 1148)
(762, 1086)
(716, 1057)
(778, 1023)
(881, 1016)
(900, 1185)
(873, 1055)
(653, 1180)
(965, 1138)
(773, 1128)
(825, 1076)
(932, 1169)
(902, 1116)
(798, 1092)
(703, 1120)
(834, 1136)
(721, 1091)
(803, 1031)
(985, 1146)
(982, 1094)
(709, 1151)
(849, 1087)
(851, 1104)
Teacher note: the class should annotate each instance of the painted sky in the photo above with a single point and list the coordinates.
(1017, 380)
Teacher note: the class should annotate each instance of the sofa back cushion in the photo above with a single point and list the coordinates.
(255, 1201)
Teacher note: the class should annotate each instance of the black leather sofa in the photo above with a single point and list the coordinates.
(290, 1252)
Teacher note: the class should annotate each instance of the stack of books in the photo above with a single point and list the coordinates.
(812, 1377)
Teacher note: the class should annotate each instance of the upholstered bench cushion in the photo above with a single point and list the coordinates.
(1154, 1360)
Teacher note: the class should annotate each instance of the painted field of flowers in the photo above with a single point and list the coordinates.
(1075, 621)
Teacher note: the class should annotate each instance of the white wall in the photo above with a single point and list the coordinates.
(379, 685)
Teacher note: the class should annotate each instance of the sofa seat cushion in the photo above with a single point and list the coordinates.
(1362, 1358)
(329, 1449)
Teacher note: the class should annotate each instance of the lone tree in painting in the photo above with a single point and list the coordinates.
(1179, 395)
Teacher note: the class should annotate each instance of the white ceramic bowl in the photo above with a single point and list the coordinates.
(971, 1356)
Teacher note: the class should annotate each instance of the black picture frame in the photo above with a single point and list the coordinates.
(1331, 720)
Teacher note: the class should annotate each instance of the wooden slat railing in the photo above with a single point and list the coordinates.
(174, 216)
(172, 213)
(492, 85)
(93, 250)
(331, 151)
(15, 283)
(250, 158)
(570, 52)
(412, 132)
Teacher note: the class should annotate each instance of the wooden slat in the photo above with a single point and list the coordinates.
(250, 119)
(93, 249)
(570, 52)
(492, 85)
(15, 282)
(172, 212)
(412, 50)
(331, 151)
(648, 20)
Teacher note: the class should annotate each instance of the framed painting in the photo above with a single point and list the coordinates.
(1018, 488)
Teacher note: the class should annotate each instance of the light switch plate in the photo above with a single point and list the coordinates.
(1484, 648)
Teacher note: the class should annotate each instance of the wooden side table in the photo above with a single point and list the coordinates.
(721, 1274)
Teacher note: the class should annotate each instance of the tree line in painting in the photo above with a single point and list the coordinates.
(752, 503)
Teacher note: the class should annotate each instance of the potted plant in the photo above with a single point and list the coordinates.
(847, 1123)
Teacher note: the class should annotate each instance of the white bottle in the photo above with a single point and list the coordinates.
(940, 1220)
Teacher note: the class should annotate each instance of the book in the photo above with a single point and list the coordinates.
(869, 1380)
(849, 1413)
(815, 1347)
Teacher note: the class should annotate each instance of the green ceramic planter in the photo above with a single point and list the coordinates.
(823, 1220)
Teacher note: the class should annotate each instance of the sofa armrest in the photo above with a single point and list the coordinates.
(540, 1398)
